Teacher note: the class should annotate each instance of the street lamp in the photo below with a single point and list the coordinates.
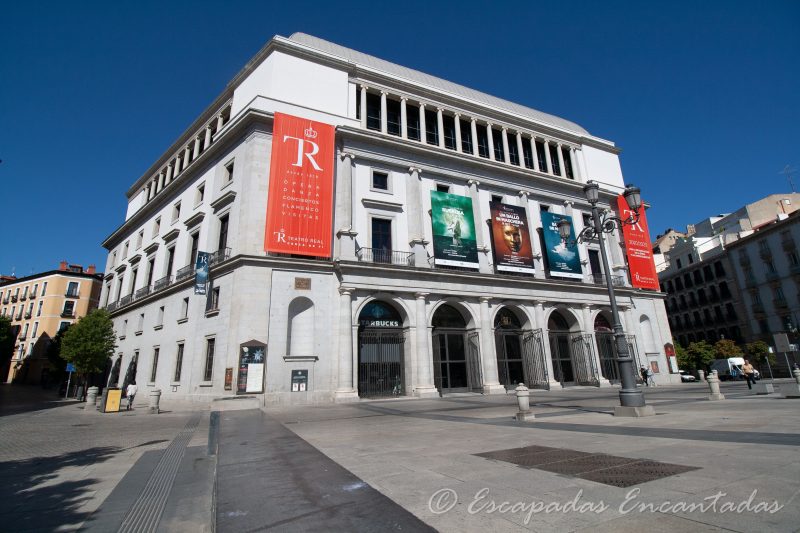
(631, 398)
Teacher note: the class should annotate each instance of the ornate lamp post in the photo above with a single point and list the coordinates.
(630, 397)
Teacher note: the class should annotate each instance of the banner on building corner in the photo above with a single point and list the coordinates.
(300, 204)
(511, 238)
(453, 226)
(201, 272)
(563, 259)
(641, 265)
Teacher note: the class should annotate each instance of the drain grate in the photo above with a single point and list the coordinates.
(598, 467)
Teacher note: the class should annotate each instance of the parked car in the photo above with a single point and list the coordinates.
(686, 377)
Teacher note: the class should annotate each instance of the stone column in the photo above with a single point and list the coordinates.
(384, 119)
(169, 172)
(177, 166)
(220, 122)
(345, 391)
(161, 182)
(533, 223)
(425, 388)
(480, 222)
(344, 201)
(196, 150)
(457, 122)
(423, 136)
(187, 154)
(440, 126)
(520, 150)
(490, 138)
(538, 313)
(535, 155)
(506, 153)
(547, 161)
(363, 104)
(207, 138)
(491, 384)
(404, 117)
(573, 157)
(561, 166)
(473, 128)
(416, 231)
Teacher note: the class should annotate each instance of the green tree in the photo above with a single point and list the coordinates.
(758, 352)
(684, 362)
(89, 343)
(7, 338)
(57, 362)
(726, 348)
(701, 353)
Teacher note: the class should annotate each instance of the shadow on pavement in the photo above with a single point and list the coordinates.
(17, 399)
(31, 499)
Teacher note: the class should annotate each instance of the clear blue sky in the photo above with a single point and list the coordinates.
(702, 97)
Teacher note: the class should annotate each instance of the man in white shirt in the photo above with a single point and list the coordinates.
(130, 392)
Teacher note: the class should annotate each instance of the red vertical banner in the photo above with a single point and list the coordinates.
(300, 205)
(640, 251)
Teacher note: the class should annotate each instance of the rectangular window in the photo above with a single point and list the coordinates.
(373, 112)
(141, 323)
(228, 177)
(176, 212)
(69, 309)
(483, 142)
(44, 288)
(380, 180)
(134, 275)
(466, 137)
(442, 188)
(541, 159)
(154, 367)
(544, 207)
(193, 251)
(213, 300)
(151, 267)
(72, 289)
(412, 119)
(185, 308)
(567, 163)
(62, 326)
(381, 240)
(35, 329)
(199, 194)
(513, 149)
(160, 320)
(497, 198)
(139, 239)
(209, 366)
(554, 160)
(527, 153)
(497, 140)
(222, 242)
(431, 127)
(125, 251)
(178, 363)
(393, 117)
(170, 260)
(24, 293)
(449, 125)
(39, 308)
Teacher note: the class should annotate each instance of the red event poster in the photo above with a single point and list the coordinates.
(640, 251)
(300, 206)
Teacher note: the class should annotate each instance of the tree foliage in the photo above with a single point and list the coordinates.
(7, 338)
(88, 343)
(726, 348)
(700, 353)
(684, 361)
(57, 362)
(758, 352)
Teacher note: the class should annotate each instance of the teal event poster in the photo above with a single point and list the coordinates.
(563, 260)
(453, 228)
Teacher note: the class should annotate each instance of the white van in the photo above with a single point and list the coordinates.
(731, 368)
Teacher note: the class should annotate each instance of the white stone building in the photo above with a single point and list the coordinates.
(379, 317)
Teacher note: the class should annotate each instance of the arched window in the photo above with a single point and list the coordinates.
(601, 323)
(448, 317)
(507, 319)
(300, 337)
(557, 322)
(379, 315)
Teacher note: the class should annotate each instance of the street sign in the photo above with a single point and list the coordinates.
(781, 342)
(70, 367)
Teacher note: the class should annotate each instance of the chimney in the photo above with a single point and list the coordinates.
(91, 269)
(62, 265)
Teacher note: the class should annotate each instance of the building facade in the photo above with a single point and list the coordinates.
(39, 306)
(385, 313)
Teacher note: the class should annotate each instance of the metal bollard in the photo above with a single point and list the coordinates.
(91, 397)
(701, 375)
(155, 399)
(524, 403)
(713, 386)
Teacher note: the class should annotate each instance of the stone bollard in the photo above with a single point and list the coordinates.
(155, 398)
(713, 386)
(91, 397)
(524, 403)
(792, 390)
(701, 375)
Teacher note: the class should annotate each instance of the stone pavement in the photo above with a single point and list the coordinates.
(422, 455)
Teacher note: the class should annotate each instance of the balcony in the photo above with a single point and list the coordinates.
(141, 293)
(600, 279)
(125, 300)
(23, 297)
(223, 254)
(112, 306)
(19, 316)
(28, 314)
(32, 295)
(71, 294)
(184, 273)
(14, 299)
(5, 300)
(23, 336)
(67, 314)
(162, 283)
(781, 303)
(388, 257)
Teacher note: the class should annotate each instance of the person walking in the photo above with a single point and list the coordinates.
(651, 380)
(643, 372)
(130, 392)
(749, 372)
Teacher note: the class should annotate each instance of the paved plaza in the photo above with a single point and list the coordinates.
(459, 463)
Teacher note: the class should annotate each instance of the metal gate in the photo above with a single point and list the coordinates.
(607, 349)
(561, 355)
(474, 372)
(533, 360)
(381, 368)
(583, 355)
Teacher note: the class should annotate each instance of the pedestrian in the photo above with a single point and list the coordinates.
(130, 392)
(651, 380)
(643, 372)
(749, 372)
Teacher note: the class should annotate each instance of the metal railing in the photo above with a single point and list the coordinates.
(28, 314)
(71, 294)
(141, 293)
(388, 257)
(223, 254)
(184, 273)
(125, 300)
(68, 314)
(161, 283)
